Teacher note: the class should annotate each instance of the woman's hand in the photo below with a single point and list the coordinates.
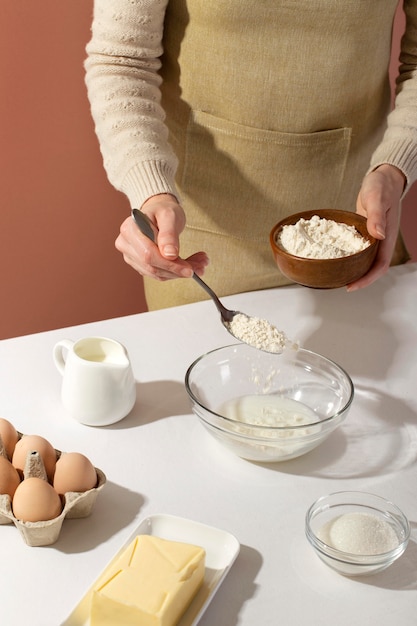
(160, 261)
(379, 201)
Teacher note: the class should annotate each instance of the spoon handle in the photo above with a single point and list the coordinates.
(226, 314)
(144, 224)
(148, 229)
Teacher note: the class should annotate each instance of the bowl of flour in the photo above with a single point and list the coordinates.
(324, 249)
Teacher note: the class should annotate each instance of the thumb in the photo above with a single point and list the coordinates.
(369, 205)
(375, 224)
(168, 242)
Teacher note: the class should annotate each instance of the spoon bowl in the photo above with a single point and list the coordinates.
(255, 332)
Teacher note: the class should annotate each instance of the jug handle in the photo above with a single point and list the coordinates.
(60, 349)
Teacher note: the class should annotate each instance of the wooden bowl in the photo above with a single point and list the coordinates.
(324, 273)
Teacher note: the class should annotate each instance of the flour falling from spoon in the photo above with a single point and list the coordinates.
(258, 333)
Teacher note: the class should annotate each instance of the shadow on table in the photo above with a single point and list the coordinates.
(155, 400)
(374, 440)
(114, 509)
(401, 575)
(237, 588)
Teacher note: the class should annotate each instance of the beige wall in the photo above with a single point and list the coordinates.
(59, 215)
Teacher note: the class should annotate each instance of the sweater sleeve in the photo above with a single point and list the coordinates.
(123, 59)
(399, 144)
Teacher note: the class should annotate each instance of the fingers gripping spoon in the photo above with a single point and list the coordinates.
(256, 332)
(148, 228)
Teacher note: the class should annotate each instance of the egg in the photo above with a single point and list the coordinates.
(9, 477)
(35, 500)
(9, 436)
(32, 443)
(74, 472)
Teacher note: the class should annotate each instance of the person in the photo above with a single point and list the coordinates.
(218, 119)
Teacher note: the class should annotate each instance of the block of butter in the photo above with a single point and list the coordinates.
(151, 584)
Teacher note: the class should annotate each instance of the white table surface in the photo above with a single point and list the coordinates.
(160, 460)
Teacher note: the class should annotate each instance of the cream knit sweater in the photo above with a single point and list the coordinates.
(246, 111)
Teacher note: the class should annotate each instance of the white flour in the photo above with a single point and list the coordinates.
(271, 411)
(319, 238)
(276, 426)
(257, 332)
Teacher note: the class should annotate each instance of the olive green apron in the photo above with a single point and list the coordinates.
(273, 107)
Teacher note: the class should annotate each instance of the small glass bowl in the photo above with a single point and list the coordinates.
(328, 508)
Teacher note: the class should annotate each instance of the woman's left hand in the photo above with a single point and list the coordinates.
(379, 201)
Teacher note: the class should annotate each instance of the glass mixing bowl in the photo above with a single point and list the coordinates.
(268, 407)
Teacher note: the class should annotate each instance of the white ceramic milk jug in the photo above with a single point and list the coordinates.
(98, 386)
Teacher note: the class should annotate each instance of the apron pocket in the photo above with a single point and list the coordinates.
(239, 181)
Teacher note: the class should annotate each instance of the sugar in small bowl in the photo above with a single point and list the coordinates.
(357, 533)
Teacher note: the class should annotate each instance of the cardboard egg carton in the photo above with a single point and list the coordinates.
(75, 505)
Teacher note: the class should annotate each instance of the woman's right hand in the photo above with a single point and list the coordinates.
(160, 261)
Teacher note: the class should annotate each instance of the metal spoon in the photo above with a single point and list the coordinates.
(251, 330)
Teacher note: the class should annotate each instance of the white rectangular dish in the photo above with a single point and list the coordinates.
(221, 549)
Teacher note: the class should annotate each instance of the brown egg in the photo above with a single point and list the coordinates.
(9, 436)
(74, 472)
(9, 477)
(35, 500)
(32, 443)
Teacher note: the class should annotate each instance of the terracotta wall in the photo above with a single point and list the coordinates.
(59, 216)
